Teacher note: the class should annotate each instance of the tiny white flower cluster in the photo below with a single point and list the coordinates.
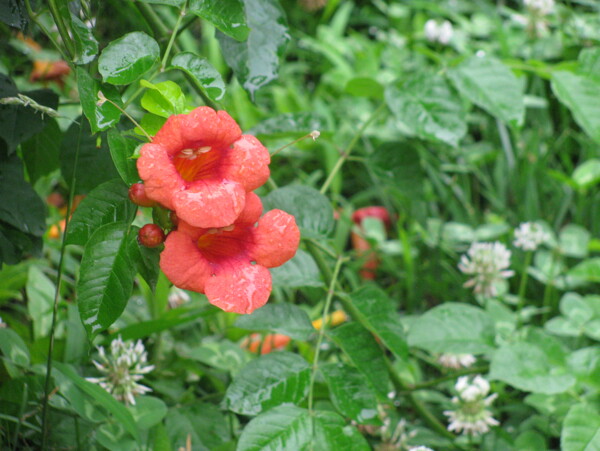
(436, 32)
(420, 448)
(456, 361)
(540, 7)
(488, 262)
(471, 416)
(123, 368)
(529, 236)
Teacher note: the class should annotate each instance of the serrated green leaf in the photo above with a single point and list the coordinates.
(585, 365)
(163, 99)
(491, 85)
(105, 277)
(102, 398)
(351, 393)
(455, 328)
(285, 319)
(311, 209)
(333, 434)
(203, 423)
(255, 61)
(86, 46)
(101, 116)
(428, 108)
(268, 381)
(380, 316)
(581, 429)
(223, 355)
(362, 349)
(105, 204)
(126, 59)
(580, 95)
(121, 152)
(525, 366)
(300, 271)
(229, 16)
(204, 75)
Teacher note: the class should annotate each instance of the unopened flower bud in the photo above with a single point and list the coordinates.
(151, 235)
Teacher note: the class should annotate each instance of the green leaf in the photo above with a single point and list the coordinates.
(288, 125)
(113, 437)
(300, 271)
(204, 423)
(14, 348)
(256, 60)
(94, 165)
(204, 75)
(126, 59)
(268, 381)
(311, 209)
(581, 429)
(525, 366)
(14, 243)
(102, 398)
(41, 151)
(587, 174)
(286, 319)
(105, 278)
(20, 207)
(86, 46)
(573, 241)
(589, 62)
(453, 327)
(290, 427)
(163, 99)
(169, 320)
(362, 349)
(229, 16)
(365, 87)
(351, 393)
(101, 116)
(379, 315)
(146, 260)
(40, 301)
(14, 14)
(585, 365)
(151, 123)
(105, 204)
(491, 85)
(222, 355)
(428, 108)
(121, 151)
(399, 167)
(580, 95)
(148, 411)
(586, 271)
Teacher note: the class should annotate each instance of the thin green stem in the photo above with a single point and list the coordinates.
(62, 28)
(57, 296)
(314, 135)
(346, 153)
(447, 377)
(34, 17)
(523, 285)
(323, 248)
(336, 272)
(174, 33)
(104, 99)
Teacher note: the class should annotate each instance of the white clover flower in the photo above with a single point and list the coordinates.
(420, 448)
(436, 32)
(125, 366)
(540, 7)
(488, 263)
(529, 236)
(471, 416)
(456, 361)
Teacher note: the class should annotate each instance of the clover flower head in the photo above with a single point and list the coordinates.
(420, 448)
(540, 7)
(123, 369)
(456, 361)
(202, 167)
(488, 263)
(230, 264)
(471, 415)
(529, 236)
(438, 32)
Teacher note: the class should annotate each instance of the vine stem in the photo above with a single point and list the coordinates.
(34, 17)
(314, 135)
(62, 28)
(346, 153)
(334, 277)
(103, 99)
(57, 296)
(174, 33)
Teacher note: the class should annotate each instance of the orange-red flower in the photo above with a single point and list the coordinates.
(361, 245)
(230, 264)
(202, 167)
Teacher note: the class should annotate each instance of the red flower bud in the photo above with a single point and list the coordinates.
(151, 235)
(137, 195)
(380, 213)
(361, 245)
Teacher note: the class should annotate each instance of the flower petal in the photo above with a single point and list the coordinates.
(183, 264)
(207, 127)
(247, 163)
(252, 210)
(161, 179)
(276, 239)
(210, 203)
(169, 136)
(240, 288)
